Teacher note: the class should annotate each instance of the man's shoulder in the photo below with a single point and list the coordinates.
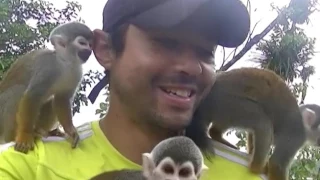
(226, 160)
(54, 157)
(85, 131)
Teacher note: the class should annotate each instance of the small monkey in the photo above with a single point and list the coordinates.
(259, 101)
(311, 119)
(175, 158)
(39, 87)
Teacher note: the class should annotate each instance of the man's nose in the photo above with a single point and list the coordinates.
(189, 63)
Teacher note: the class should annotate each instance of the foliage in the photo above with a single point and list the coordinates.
(25, 26)
(297, 12)
(81, 97)
(104, 106)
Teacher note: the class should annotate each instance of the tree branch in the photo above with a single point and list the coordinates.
(252, 42)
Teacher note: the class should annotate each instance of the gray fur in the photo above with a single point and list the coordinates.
(71, 30)
(120, 175)
(316, 109)
(259, 101)
(180, 149)
(42, 74)
(312, 127)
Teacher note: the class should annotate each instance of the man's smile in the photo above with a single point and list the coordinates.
(182, 97)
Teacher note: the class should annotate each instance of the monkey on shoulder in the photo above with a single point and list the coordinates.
(39, 87)
(259, 101)
(175, 158)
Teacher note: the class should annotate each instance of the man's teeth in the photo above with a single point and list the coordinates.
(181, 93)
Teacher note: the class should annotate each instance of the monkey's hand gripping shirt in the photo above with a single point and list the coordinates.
(53, 159)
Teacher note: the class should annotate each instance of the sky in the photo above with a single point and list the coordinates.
(261, 11)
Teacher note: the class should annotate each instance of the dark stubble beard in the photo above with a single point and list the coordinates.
(140, 111)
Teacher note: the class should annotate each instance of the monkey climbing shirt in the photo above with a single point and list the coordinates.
(53, 159)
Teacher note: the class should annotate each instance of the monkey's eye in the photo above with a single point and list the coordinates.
(168, 169)
(82, 43)
(184, 172)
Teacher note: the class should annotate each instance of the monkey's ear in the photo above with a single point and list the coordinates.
(58, 40)
(308, 117)
(147, 164)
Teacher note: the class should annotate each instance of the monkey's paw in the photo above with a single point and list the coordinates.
(257, 169)
(75, 138)
(24, 142)
(57, 132)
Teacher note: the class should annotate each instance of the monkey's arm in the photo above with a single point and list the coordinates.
(47, 120)
(29, 106)
(63, 110)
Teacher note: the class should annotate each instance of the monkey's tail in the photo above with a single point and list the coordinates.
(198, 133)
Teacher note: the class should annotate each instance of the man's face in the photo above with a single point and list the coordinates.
(160, 80)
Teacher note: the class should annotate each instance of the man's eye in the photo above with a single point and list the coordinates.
(205, 55)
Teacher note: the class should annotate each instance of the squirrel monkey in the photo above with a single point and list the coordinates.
(311, 119)
(175, 158)
(39, 87)
(260, 102)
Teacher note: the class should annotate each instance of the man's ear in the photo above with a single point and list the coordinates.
(148, 165)
(102, 48)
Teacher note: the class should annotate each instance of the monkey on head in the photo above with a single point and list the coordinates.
(259, 101)
(39, 87)
(175, 158)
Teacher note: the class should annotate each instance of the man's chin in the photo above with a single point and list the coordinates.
(176, 124)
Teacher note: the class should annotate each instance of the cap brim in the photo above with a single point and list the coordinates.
(225, 23)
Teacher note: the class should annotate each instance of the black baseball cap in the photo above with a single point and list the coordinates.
(217, 22)
(224, 22)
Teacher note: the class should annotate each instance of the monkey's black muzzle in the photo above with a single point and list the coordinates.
(84, 54)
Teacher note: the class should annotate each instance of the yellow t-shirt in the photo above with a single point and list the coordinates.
(53, 159)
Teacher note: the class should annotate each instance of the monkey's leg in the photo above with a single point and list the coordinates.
(63, 109)
(249, 142)
(216, 134)
(250, 148)
(286, 147)
(46, 120)
(26, 115)
(29, 106)
(263, 133)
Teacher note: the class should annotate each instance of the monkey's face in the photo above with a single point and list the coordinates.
(82, 48)
(312, 126)
(157, 79)
(167, 169)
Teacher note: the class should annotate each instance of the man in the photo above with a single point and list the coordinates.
(158, 55)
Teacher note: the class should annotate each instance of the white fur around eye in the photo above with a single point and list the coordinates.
(160, 169)
(189, 166)
(167, 162)
(81, 42)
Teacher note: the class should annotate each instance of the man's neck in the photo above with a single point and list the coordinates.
(128, 137)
